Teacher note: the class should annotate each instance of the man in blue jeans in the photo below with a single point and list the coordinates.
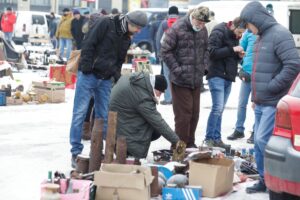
(247, 42)
(103, 53)
(224, 54)
(276, 65)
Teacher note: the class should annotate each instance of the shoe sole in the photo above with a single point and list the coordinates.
(235, 138)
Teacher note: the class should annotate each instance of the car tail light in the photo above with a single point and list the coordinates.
(24, 28)
(283, 124)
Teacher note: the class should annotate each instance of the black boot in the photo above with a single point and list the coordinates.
(251, 138)
(73, 161)
(257, 187)
(236, 135)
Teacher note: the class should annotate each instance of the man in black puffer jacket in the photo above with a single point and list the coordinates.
(275, 67)
(103, 52)
(224, 54)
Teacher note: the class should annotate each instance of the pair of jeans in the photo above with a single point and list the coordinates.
(219, 91)
(245, 92)
(54, 42)
(87, 86)
(264, 125)
(167, 94)
(8, 36)
(65, 42)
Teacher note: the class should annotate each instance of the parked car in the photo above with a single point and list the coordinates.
(282, 154)
(142, 39)
(30, 23)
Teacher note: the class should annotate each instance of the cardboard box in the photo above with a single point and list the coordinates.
(11, 101)
(187, 193)
(214, 175)
(131, 182)
(54, 90)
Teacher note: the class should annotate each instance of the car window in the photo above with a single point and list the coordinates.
(38, 19)
(296, 91)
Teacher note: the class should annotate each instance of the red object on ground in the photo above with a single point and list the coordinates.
(59, 73)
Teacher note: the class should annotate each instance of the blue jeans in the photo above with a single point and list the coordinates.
(65, 42)
(8, 36)
(264, 125)
(86, 87)
(219, 90)
(245, 91)
(167, 94)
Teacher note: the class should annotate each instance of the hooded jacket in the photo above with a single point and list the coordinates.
(185, 53)
(7, 22)
(276, 60)
(134, 101)
(64, 27)
(247, 42)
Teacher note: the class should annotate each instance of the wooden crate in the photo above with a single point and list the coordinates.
(53, 89)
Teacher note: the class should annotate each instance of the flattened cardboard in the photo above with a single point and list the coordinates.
(214, 175)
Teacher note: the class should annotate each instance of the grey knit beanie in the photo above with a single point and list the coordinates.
(137, 18)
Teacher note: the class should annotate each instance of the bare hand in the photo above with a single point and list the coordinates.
(238, 49)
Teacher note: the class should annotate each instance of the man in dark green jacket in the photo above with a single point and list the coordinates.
(134, 98)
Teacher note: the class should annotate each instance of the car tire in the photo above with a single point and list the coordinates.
(282, 196)
(275, 196)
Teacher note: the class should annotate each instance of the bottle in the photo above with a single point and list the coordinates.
(49, 180)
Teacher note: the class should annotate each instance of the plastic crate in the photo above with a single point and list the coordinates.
(2, 98)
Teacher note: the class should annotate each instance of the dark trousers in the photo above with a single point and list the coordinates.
(186, 107)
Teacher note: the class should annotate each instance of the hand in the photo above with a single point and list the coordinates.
(238, 49)
(253, 105)
(241, 54)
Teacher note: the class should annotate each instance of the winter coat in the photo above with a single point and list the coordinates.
(223, 61)
(76, 29)
(247, 42)
(104, 48)
(7, 22)
(185, 53)
(52, 27)
(134, 101)
(64, 27)
(276, 60)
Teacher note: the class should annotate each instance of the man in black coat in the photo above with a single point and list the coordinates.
(103, 53)
(224, 55)
(76, 28)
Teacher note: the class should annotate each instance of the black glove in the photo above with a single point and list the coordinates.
(205, 72)
(244, 76)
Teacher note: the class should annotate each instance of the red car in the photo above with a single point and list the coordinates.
(282, 154)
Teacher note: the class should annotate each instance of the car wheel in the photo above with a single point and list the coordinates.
(275, 195)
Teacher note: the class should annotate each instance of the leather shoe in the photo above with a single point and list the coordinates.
(257, 187)
(251, 138)
(236, 135)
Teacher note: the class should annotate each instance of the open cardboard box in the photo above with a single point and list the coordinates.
(130, 182)
(214, 175)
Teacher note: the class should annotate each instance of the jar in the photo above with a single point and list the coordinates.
(50, 192)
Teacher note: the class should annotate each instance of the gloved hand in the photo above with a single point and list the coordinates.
(244, 76)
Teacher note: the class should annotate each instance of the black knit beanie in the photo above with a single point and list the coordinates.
(160, 83)
(173, 10)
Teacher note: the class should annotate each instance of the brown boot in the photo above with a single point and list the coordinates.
(86, 131)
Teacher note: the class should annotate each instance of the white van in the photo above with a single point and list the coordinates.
(285, 12)
(30, 23)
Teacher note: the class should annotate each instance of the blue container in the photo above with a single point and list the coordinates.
(2, 98)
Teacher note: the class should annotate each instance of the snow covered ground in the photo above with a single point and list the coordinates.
(35, 139)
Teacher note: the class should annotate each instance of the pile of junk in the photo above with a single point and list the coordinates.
(181, 173)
